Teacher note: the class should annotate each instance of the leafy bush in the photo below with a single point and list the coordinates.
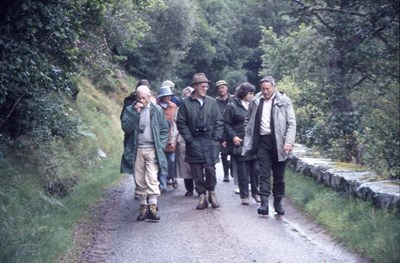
(35, 68)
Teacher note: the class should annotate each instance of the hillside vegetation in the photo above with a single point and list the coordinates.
(45, 191)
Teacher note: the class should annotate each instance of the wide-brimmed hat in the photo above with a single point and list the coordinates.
(221, 82)
(168, 83)
(164, 91)
(199, 78)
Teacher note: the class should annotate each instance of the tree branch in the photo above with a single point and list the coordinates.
(15, 104)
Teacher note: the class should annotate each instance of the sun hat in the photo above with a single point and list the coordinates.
(164, 91)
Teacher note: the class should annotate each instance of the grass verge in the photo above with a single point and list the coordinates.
(38, 227)
(368, 231)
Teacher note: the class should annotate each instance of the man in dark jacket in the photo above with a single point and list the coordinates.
(223, 99)
(201, 125)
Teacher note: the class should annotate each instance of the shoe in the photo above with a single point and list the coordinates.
(278, 206)
(263, 209)
(143, 212)
(212, 198)
(226, 178)
(202, 202)
(256, 197)
(169, 182)
(188, 193)
(237, 191)
(152, 215)
(175, 184)
(245, 201)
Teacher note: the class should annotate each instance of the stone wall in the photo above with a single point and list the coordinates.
(358, 183)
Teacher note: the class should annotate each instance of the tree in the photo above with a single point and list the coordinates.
(355, 51)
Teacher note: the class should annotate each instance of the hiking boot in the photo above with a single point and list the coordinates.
(152, 215)
(263, 209)
(143, 211)
(202, 202)
(278, 206)
(212, 198)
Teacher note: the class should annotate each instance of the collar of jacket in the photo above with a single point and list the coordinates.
(277, 101)
(218, 98)
(191, 97)
(170, 104)
(238, 102)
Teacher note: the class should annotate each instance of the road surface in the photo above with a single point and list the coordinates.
(231, 233)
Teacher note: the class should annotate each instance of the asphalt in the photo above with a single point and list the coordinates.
(231, 233)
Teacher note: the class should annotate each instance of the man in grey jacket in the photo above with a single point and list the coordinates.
(271, 134)
(201, 125)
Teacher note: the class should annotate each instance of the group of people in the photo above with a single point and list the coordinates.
(168, 138)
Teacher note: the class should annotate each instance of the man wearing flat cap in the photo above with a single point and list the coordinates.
(223, 99)
(201, 124)
(271, 134)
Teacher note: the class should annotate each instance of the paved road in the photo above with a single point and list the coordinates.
(232, 233)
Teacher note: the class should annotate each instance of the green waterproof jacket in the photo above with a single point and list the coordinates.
(130, 125)
(202, 128)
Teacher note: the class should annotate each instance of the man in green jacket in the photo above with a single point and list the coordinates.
(146, 133)
(200, 123)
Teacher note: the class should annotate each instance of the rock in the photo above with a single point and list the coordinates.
(101, 154)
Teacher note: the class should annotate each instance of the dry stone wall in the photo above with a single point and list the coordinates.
(358, 183)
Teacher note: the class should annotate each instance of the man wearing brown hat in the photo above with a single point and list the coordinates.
(201, 124)
(223, 99)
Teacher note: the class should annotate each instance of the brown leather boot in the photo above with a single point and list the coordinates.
(263, 209)
(153, 212)
(278, 206)
(202, 202)
(143, 212)
(212, 198)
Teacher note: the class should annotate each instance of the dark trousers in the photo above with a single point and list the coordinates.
(225, 163)
(247, 170)
(270, 166)
(204, 177)
(189, 185)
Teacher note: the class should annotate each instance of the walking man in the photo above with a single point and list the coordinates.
(146, 131)
(271, 135)
(223, 99)
(201, 125)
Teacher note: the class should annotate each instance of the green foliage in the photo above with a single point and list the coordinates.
(366, 230)
(35, 66)
(166, 44)
(45, 193)
(340, 70)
